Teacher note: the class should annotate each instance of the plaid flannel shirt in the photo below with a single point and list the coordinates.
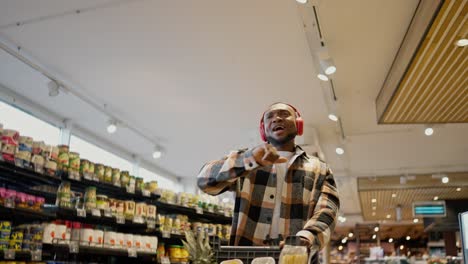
(309, 202)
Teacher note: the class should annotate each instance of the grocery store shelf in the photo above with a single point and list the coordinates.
(21, 215)
(207, 217)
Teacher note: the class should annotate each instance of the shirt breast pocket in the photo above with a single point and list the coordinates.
(309, 180)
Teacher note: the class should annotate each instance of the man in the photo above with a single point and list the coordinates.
(280, 190)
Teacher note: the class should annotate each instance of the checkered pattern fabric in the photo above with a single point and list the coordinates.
(309, 200)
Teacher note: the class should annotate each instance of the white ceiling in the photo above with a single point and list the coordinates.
(196, 76)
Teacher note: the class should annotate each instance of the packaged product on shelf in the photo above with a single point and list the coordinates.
(168, 223)
(10, 136)
(128, 240)
(54, 154)
(91, 174)
(37, 147)
(32, 239)
(38, 203)
(25, 143)
(131, 184)
(90, 198)
(21, 200)
(76, 231)
(49, 233)
(184, 254)
(137, 241)
(161, 221)
(168, 196)
(87, 236)
(107, 174)
(120, 207)
(152, 186)
(74, 170)
(84, 169)
(62, 235)
(8, 152)
(113, 206)
(151, 212)
(102, 202)
(161, 251)
(23, 159)
(110, 239)
(99, 171)
(129, 209)
(50, 168)
(175, 253)
(99, 238)
(120, 240)
(10, 197)
(116, 177)
(5, 231)
(139, 184)
(64, 195)
(30, 201)
(124, 178)
(141, 210)
(38, 163)
(63, 162)
(2, 195)
(16, 238)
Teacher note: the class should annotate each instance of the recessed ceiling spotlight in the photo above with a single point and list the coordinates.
(340, 248)
(350, 234)
(462, 42)
(339, 151)
(390, 240)
(393, 195)
(322, 77)
(376, 229)
(344, 240)
(416, 220)
(408, 237)
(374, 200)
(157, 154)
(445, 179)
(402, 247)
(333, 117)
(436, 198)
(458, 189)
(429, 131)
(112, 127)
(374, 236)
(389, 216)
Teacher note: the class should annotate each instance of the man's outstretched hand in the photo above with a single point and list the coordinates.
(265, 154)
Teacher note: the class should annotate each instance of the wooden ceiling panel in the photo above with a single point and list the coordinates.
(434, 87)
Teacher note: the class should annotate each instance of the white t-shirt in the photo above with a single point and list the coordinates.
(281, 169)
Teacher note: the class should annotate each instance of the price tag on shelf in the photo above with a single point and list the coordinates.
(165, 260)
(9, 254)
(151, 224)
(96, 212)
(108, 213)
(138, 220)
(36, 255)
(210, 209)
(132, 253)
(199, 210)
(166, 234)
(120, 219)
(146, 193)
(81, 212)
(130, 190)
(10, 203)
(74, 247)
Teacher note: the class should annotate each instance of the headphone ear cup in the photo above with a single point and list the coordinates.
(262, 131)
(300, 126)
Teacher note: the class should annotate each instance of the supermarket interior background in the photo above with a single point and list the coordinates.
(158, 88)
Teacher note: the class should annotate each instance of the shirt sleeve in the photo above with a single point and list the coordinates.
(320, 226)
(218, 176)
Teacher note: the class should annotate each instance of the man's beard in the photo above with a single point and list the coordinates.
(276, 142)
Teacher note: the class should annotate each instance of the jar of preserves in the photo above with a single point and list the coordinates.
(102, 202)
(116, 177)
(107, 174)
(90, 198)
(124, 178)
(99, 170)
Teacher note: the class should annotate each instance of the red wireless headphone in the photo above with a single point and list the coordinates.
(299, 123)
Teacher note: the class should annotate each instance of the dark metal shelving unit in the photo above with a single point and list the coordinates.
(206, 217)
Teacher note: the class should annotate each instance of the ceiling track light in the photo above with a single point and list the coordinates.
(157, 152)
(112, 126)
(462, 42)
(328, 66)
(333, 117)
(339, 151)
(53, 88)
(302, 1)
(322, 76)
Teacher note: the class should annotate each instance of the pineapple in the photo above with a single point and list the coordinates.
(199, 249)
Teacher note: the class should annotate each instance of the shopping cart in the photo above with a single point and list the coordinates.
(244, 253)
